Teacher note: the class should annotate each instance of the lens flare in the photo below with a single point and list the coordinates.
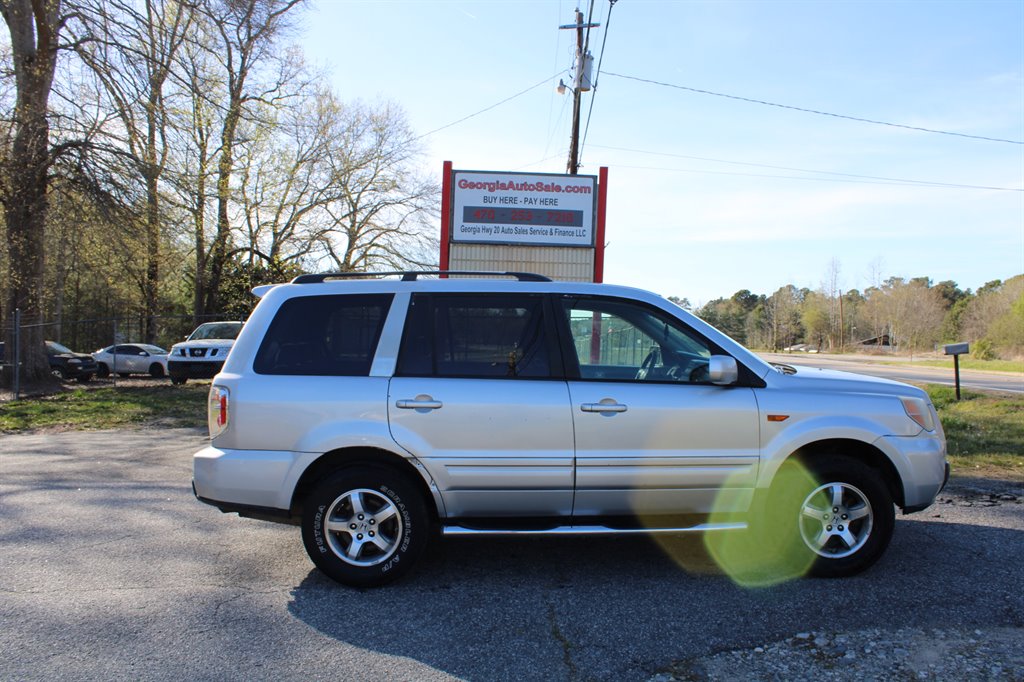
(771, 550)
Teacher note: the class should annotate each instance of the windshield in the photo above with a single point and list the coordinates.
(55, 347)
(216, 330)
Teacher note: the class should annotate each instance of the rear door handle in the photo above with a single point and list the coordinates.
(610, 406)
(419, 403)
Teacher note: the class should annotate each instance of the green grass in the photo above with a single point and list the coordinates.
(108, 408)
(1015, 366)
(981, 430)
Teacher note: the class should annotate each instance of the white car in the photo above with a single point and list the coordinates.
(202, 354)
(374, 413)
(125, 359)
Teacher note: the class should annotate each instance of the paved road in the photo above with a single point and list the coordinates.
(1004, 382)
(111, 570)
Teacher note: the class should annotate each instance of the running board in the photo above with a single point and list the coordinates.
(593, 530)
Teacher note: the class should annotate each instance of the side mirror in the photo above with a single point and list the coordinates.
(722, 370)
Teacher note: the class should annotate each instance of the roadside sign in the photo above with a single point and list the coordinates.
(524, 209)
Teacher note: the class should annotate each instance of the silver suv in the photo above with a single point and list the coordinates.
(376, 412)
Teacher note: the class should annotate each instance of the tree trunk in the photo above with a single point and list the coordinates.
(219, 251)
(34, 33)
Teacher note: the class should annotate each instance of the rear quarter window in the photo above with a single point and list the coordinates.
(323, 336)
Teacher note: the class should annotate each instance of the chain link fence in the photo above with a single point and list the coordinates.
(90, 335)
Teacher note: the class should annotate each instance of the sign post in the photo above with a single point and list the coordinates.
(956, 350)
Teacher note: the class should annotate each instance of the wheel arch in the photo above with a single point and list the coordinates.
(865, 452)
(341, 458)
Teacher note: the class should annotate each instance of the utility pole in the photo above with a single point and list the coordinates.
(580, 84)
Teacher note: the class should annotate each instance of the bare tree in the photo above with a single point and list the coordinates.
(382, 217)
(285, 180)
(246, 31)
(193, 143)
(131, 50)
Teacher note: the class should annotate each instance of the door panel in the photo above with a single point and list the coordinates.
(670, 450)
(478, 398)
(653, 435)
(493, 447)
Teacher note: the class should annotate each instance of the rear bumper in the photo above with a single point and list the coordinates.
(233, 479)
(250, 511)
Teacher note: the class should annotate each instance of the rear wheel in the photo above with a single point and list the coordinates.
(365, 526)
(178, 381)
(837, 512)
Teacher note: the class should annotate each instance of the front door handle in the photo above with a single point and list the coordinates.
(421, 402)
(606, 405)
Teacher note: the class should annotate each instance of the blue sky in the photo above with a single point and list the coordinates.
(701, 202)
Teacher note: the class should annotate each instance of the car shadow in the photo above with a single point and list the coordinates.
(617, 608)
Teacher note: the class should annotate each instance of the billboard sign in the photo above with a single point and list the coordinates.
(523, 209)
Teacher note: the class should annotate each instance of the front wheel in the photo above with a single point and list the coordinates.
(102, 371)
(365, 526)
(156, 370)
(837, 511)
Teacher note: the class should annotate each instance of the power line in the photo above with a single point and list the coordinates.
(493, 106)
(814, 111)
(931, 183)
(880, 181)
(597, 75)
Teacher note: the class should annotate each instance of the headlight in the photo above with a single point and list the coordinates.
(917, 409)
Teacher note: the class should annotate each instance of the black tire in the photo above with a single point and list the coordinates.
(391, 529)
(102, 371)
(178, 381)
(835, 511)
(156, 370)
(124, 375)
(84, 378)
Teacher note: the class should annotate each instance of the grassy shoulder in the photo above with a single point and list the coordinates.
(982, 431)
(1009, 366)
(108, 408)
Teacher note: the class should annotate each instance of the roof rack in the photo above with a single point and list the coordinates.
(413, 275)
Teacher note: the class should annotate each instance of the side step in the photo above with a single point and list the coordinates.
(594, 530)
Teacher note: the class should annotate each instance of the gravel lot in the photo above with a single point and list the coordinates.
(111, 570)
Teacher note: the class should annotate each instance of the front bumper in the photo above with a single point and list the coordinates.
(188, 369)
(77, 371)
(922, 467)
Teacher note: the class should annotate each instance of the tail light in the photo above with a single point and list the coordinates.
(218, 410)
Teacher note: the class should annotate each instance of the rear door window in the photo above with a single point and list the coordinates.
(496, 335)
(324, 336)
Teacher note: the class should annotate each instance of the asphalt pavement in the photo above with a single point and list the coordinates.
(111, 569)
(883, 366)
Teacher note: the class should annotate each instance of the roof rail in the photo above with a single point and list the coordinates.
(413, 275)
